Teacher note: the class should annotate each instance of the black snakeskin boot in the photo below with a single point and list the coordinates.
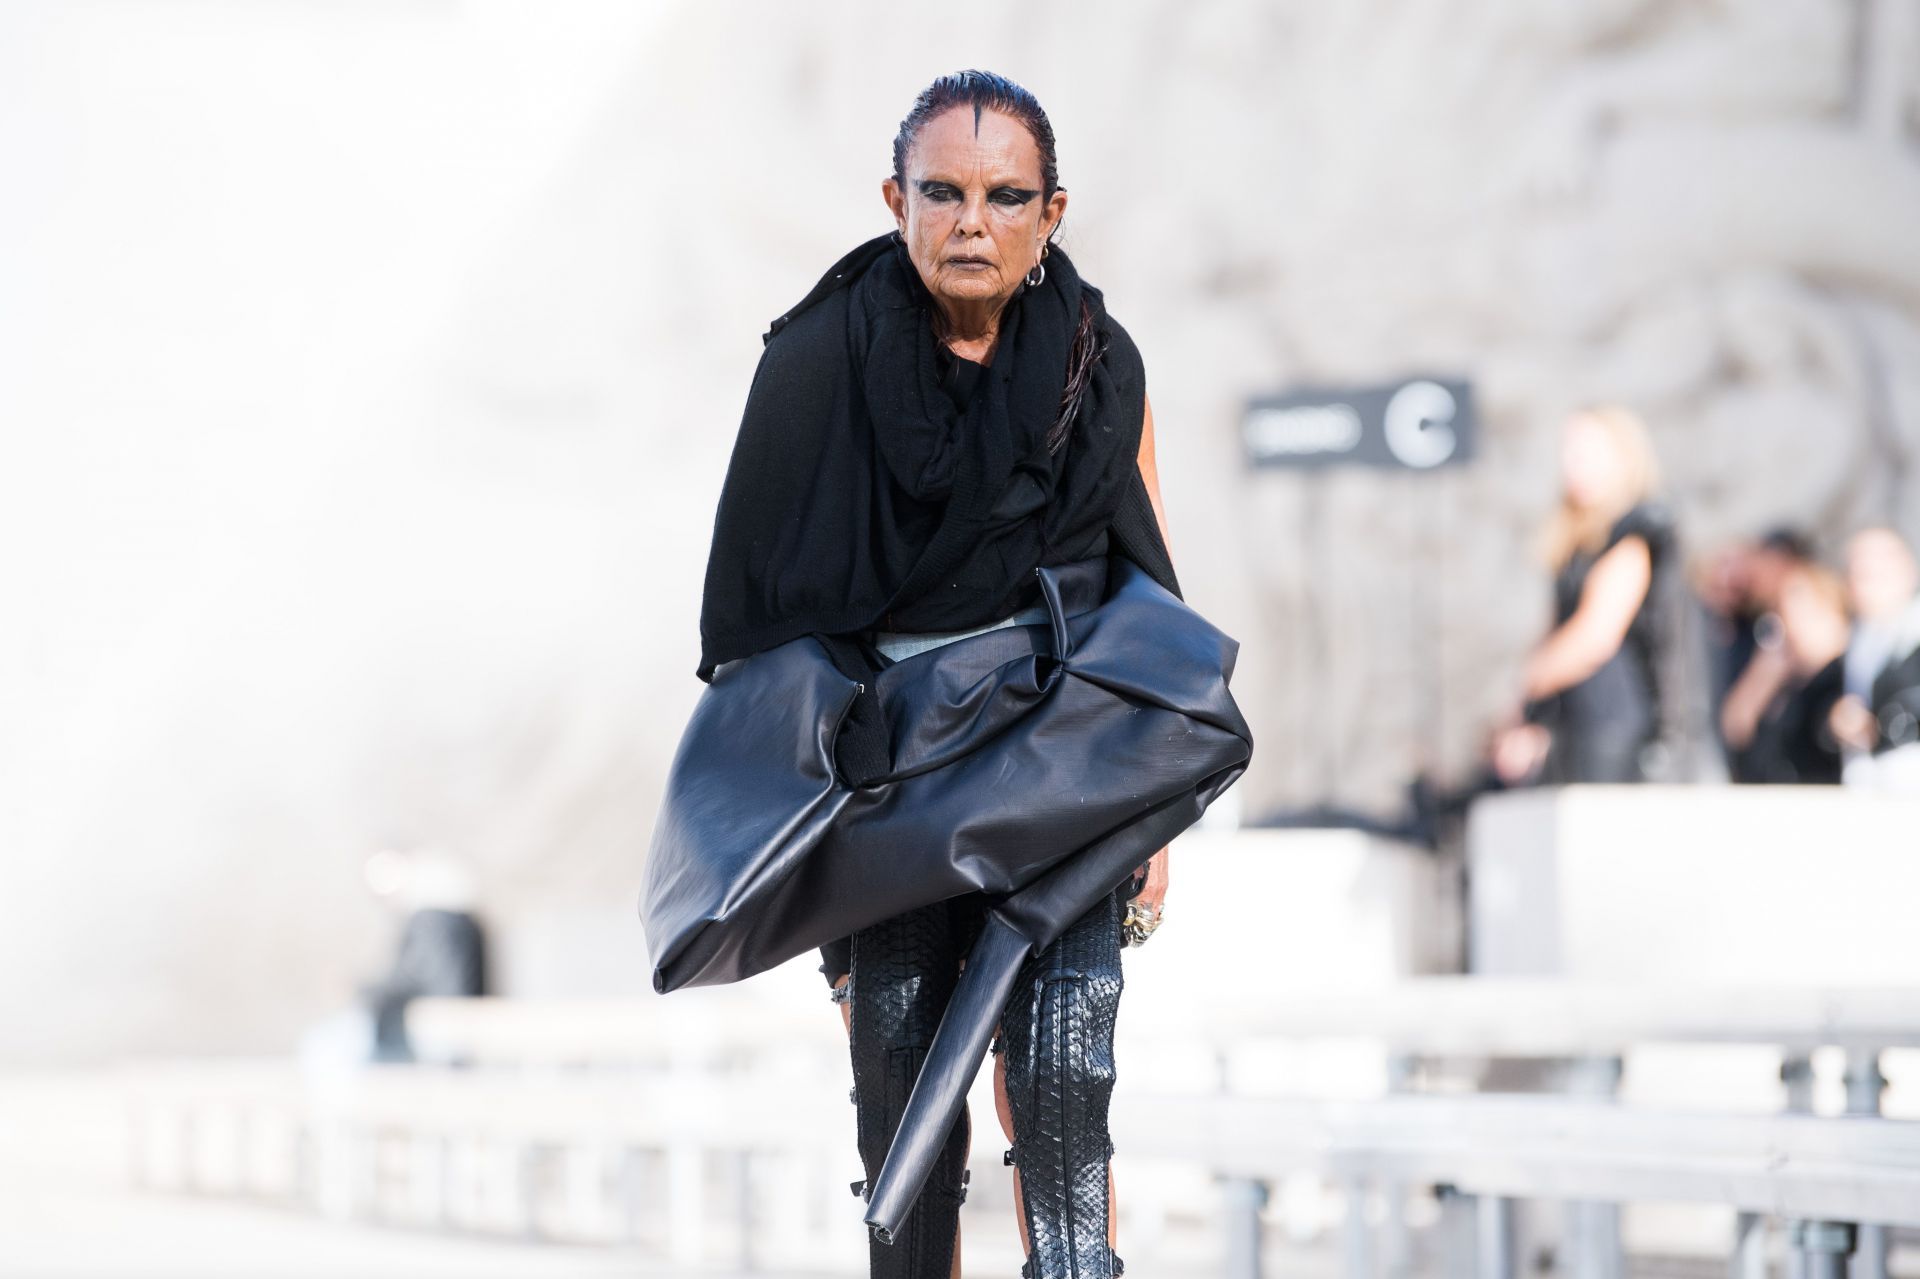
(1057, 1038)
(904, 971)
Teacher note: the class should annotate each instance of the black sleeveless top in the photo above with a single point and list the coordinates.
(1601, 725)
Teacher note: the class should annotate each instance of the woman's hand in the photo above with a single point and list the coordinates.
(1519, 751)
(1853, 724)
(1154, 894)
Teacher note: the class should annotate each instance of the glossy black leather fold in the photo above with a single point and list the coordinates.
(1039, 764)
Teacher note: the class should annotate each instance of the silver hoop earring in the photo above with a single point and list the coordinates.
(1035, 276)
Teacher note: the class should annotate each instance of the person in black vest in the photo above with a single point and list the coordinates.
(1792, 741)
(1590, 689)
(955, 374)
(1740, 587)
(1763, 670)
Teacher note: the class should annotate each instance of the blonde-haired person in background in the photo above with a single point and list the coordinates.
(1589, 705)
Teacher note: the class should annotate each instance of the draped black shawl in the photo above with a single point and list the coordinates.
(860, 494)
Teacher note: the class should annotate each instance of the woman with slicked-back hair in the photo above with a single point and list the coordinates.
(984, 388)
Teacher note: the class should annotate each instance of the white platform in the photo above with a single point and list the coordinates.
(1255, 914)
(1748, 885)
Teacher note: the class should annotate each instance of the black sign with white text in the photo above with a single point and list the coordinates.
(1417, 425)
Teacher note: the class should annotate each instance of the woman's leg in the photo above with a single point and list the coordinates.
(1005, 1112)
(903, 973)
(1056, 1073)
(966, 1114)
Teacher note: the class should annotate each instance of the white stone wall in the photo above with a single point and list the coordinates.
(1705, 211)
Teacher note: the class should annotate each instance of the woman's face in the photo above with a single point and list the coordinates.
(1592, 472)
(972, 214)
(1880, 573)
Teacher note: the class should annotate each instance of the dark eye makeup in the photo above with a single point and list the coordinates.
(1009, 197)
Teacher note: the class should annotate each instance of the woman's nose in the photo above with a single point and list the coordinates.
(973, 215)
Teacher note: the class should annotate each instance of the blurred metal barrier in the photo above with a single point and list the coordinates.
(610, 1121)
(1588, 1027)
(1824, 1174)
(1557, 1017)
(587, 1157)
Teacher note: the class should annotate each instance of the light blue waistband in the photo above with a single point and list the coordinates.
(899, 645)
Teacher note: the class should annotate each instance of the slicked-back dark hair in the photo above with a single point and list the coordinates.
(989, 91)
(983, 91)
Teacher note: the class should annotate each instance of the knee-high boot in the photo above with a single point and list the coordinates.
(1057, 1038)
(903, 975)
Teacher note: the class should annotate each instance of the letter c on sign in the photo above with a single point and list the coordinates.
(1419, 424)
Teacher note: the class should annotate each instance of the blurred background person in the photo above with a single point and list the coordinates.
(441, 951)
(1757, 666)
(1877, 721)
(1790, 741)
(1739, 586)
(1720, 582)
(1591, 691)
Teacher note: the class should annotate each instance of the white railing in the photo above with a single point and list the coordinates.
(621, 1120)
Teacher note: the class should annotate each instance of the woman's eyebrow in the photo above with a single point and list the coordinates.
(926, 184)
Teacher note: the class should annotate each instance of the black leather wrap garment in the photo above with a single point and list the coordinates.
(1039, 764)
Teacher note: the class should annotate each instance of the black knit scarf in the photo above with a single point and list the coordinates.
(860, 494)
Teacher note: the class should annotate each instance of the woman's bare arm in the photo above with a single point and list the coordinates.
(1154, 892)
(1764, 675)
(1150, 472)
(1579, 646)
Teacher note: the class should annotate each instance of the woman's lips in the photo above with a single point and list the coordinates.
(969, 264)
